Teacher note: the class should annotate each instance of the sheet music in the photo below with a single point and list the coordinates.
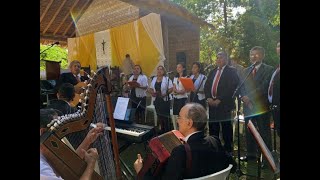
(121, 108)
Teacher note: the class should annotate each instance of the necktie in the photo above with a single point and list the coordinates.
(215, 83)
(270, 91)
(78, 78)
(254, 72)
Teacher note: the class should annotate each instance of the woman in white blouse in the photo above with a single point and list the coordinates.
(197, 95)
(179, 93)
(160, 89)
(138, 93)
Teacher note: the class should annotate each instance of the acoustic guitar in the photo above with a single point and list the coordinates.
(78, 90)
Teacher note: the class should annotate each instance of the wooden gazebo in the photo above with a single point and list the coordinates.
(63, 19)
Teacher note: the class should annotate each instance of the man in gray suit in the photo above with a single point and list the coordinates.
(254, 94)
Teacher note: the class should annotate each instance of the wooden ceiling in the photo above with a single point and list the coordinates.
(58, 17)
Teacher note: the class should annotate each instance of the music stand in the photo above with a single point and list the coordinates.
(263, 148)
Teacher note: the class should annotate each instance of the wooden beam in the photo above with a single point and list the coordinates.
(54, 37)
(78, 17)
(54, 16)
(65, 17)
(46, 10)
(74, 32)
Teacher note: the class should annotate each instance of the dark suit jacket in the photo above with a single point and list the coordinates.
(62, 106)
(69, 78)
(257, 88)
(227, 84)
(208, 156)
(276, 90)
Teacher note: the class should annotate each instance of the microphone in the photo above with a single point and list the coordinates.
(152, 77)
(55, 43)
(209, 66)
(169, 72)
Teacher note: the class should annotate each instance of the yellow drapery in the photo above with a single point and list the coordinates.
(124, 41)
(83, 49)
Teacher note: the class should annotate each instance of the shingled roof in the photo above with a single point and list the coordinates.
(58, 17)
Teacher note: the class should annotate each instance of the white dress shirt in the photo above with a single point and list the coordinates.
(143, 81)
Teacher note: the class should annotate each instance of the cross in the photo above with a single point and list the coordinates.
(103, 46)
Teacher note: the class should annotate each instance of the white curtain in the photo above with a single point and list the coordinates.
(152, 25)
(136, 28)
(103, 48)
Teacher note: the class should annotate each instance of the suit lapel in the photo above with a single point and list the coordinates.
(260, 72)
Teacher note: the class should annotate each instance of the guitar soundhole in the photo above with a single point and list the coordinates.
(64, 130)
(54, 144)
(85, 122)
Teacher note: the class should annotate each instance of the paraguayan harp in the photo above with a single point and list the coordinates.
(64, 160)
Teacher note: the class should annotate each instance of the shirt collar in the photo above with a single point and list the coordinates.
(187, 137)
(258, 66)
(222, 67)
(77, 75)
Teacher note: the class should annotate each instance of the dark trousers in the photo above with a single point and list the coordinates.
(163, 114)
(217, 117)
(194, 98)
(276, 119)
(178, 104)
(262, 124)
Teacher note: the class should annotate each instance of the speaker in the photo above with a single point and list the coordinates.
(52, 70)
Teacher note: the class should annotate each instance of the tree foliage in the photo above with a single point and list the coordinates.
(54, 53)
(236, 34)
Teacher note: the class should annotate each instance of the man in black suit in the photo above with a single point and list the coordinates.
(65, 96)
(254, 94)
(62, 106)
(219, 88)
(73, 77)
(274, 94)
(207, 153)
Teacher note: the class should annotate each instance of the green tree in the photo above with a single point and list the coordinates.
(55, 53)
(237, 34)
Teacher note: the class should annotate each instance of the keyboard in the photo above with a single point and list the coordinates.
(133, 133)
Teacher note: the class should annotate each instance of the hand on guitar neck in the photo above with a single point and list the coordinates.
(78, 90)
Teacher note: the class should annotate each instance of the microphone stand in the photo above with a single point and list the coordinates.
(238, 171)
